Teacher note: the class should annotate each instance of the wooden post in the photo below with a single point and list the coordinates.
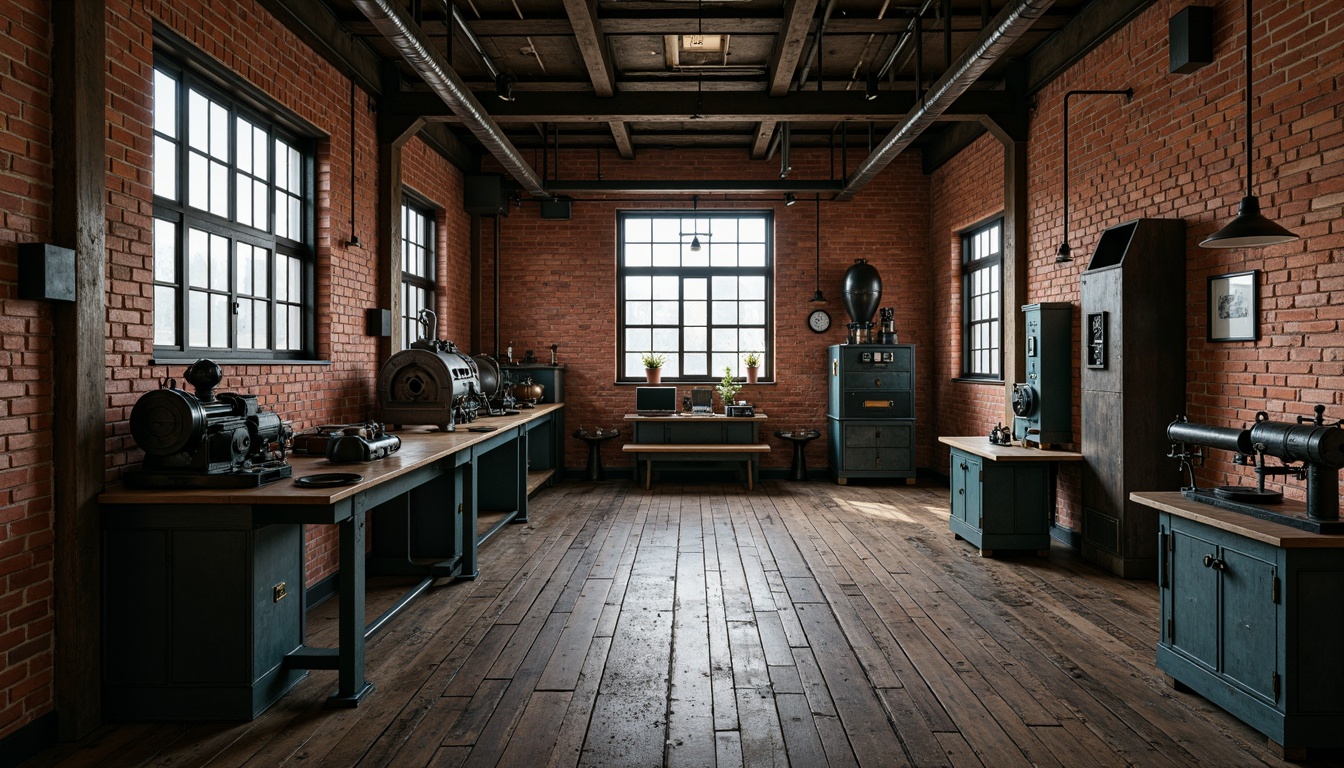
(79, 366)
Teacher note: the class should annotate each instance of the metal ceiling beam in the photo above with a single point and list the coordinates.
(429, 64)
(1011, 23)
(714, 107)
(788, 48)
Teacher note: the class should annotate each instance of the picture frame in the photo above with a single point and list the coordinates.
(1234, 307)
(1096, 345)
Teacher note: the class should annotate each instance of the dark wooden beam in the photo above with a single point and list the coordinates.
(702, 186)
(760, 144)
(949, 142)
(1094, 23)
(389, 244)
(620, 134)
(79, 364)
(789, 47)
(321, 30)
(592, 46)
(712, 106)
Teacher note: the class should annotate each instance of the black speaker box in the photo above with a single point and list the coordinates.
(485, 195)
(1190, 38)
(555, 209)
(379, 321)
(46, 272)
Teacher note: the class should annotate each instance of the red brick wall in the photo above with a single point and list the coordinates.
(558, 283)
(963, 193)
(26, 533)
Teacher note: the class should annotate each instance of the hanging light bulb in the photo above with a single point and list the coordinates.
(695, 243)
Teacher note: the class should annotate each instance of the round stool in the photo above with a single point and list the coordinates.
(595, 441)
(800, 441)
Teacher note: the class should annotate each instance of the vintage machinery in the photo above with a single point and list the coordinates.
(431, 383)
(739, 411)
(1318, 446)
(1043, 404)
(887, 330)
(870, 411)
(527, 393)
(861, 293)
(362, 443)
(204, 440)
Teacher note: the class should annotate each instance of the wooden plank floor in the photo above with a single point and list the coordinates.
(802, 624)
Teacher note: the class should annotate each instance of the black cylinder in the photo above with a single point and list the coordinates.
(1322, 493)
(862, 291)
(1223, 438)
(1313, 444)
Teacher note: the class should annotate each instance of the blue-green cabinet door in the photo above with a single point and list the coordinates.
(957, 475)
(1194, 599)
(1249, 622)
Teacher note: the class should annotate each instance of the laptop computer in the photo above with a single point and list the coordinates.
(656, 401)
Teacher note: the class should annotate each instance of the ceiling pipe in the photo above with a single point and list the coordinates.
(393, 24)
(461, 22)
(992, 44)
(906, 39)
(816, 44)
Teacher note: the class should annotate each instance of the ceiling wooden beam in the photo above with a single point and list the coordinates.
(592, 45)
(789, 47)
(713, 107)
(760, 145)
(621, 135)
(703, 186)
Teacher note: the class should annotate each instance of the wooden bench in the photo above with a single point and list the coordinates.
(744, 452)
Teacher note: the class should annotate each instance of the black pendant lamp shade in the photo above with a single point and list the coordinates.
(1249, 229)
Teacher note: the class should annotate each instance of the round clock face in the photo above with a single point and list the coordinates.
(819, 321)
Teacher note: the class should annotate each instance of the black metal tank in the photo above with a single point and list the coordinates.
(862, 291)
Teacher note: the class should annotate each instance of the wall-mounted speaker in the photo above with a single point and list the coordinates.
(1190, 38)
(46, 272)
(378, 321)
(485, 195)
(558, 208)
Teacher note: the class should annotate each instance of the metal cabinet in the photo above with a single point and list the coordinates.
(1000, 506)
(1250, 621)
(870, 411)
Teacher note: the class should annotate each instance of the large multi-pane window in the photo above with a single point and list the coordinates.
(981, 298)
(232, 225)
(695, 289)
(417, 269)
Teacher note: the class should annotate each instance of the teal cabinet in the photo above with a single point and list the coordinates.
(1250, 619)
(1002, 496)
(870, 411)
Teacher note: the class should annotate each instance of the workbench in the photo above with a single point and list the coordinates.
(203, 597)
(702, 438)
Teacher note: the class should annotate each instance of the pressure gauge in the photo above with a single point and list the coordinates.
(819, 321)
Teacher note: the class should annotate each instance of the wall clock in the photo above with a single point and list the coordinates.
(819, 321)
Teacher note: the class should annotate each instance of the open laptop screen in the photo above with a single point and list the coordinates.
(655, 401)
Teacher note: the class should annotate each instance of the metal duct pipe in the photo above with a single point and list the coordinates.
(445, 83)
(816, 44)
(905, 39)
(993, 43)
(461, 22)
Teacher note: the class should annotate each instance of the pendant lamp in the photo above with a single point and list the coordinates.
(818, 296)
(1249, 229)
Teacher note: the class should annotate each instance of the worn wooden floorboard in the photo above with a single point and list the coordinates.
(800, 624)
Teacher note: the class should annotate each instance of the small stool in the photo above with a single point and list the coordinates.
(595, 441)
(800, 441)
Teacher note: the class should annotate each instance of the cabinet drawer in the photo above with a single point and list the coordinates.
(877, 404)
(878, 459)
(894, 380)
(877, 435)
(852, 357)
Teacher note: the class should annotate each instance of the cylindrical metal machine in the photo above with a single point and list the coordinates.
(431, 383)
(862, 292)
(1222, 438)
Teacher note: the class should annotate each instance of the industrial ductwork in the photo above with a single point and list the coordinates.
(993, 43)
(444, 82)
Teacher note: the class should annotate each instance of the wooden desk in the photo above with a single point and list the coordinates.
(1002, 495)
(707, 438)
(203, 589)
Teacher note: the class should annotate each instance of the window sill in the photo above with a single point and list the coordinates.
(165, 360)
(705, 383)
(969, 380)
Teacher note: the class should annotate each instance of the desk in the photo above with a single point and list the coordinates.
(713, 434)
(1002, 495)
(203, 608)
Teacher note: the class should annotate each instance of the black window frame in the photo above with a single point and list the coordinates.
(193, 71)
(972, 263)
(766, 271)
(430, 214)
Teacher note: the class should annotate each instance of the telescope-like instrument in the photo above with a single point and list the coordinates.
(1317, 447)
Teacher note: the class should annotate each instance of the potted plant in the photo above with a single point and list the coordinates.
(753, 361)
(728, 388)
(653, 366)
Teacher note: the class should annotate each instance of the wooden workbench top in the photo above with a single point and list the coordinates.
(980, 446)
(695, 417)
(420, 446)
(1235, 522)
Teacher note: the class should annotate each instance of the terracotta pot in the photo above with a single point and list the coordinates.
(751, 374)
(654, 375)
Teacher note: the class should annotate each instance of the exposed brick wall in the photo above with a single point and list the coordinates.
(26, 528)
(435, 179)
(558, 283)
(963, 193)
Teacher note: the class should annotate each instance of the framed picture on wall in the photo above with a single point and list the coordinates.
(1234, 306)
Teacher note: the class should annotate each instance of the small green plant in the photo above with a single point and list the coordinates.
(728, 388)
(752, 359)
(651, 360)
